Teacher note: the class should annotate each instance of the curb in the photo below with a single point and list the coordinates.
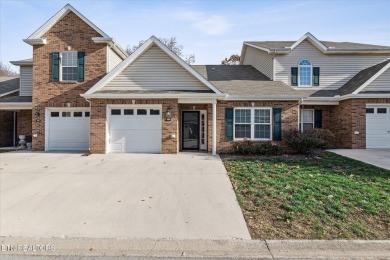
(212, 249)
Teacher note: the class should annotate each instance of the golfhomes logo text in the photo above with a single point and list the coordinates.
(27, 248)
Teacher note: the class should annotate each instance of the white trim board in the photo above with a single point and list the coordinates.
(144, 47)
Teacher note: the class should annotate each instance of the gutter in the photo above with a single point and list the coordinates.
(15, 105)
(150, 96)
(264, 98)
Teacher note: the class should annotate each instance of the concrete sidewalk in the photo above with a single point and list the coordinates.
(376, 157)
(198, 249)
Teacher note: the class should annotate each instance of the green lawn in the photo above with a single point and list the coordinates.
(5, 150)
(299, 197)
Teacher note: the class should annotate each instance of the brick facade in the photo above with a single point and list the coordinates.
(98, 122)
(73, 32)
(350, 117)
(24, 119)
(289, 117)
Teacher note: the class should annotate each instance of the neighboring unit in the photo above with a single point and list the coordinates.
(82, 91)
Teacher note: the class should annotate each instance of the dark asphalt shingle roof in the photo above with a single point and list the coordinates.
(8, 84)
(244, 80)
(359, 79)
(16, 99)
(337, 45)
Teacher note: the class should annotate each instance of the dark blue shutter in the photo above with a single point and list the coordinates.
(55, 64)
(316, 76)
(228, 124)
(317, 118)
(294, 76)
(81, 65)
(277, 127)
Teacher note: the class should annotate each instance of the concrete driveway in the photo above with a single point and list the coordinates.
(377, 157)
(184, 196)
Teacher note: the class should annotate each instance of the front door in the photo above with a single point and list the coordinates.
(190, 130)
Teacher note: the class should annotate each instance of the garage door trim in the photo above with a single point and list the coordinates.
(125, 106)
(62, 109)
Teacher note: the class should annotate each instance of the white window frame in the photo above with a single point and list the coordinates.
(61, 66)
(301, 117)
(311, 73)
(252, 123)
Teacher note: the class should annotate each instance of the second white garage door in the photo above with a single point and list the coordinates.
(135, 129)
(378, 126)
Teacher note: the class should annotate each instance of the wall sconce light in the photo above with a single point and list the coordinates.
(168, 114)
(37, 114)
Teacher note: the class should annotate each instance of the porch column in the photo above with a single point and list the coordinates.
(214, 135)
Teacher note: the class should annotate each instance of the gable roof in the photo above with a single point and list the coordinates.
(139, 52)
(246, 82)
(25, 62)
(35, 38)
(363, 78)
(327, 47)
(8, 85)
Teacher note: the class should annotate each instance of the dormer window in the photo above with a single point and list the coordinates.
(305, 76)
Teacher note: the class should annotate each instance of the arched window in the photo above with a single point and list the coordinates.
(304, 73)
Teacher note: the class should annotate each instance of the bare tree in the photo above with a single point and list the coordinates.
(6, 71)
(234, 59)
(172, 44)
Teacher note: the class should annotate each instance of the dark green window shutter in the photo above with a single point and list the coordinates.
(294, 76)
(228, 124)
(316, 76)
(81, 65)
(55, 64)
(317, 118)
(277, 127)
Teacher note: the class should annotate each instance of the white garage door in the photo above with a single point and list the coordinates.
(67, 129)
(378, 126)
(135, 129)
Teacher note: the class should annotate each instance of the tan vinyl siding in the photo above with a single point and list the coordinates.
(26, 80)
(259, 59)
(335, 69)
(381, 83)
(114, 59)
(155, 70)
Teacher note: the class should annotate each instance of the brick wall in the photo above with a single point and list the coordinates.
(289, 117)
(98, 123)
(24, 119)
(69, 31)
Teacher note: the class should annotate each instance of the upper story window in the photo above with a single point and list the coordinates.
(304, 73)
(68, 66)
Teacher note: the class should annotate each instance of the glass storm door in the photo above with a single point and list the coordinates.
(190, 130)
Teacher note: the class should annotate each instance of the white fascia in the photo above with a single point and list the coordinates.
(312, 39)
(16, 106)
(111, 42)
(151, 96)
(264, 97)
(9, 92)
(351, 96)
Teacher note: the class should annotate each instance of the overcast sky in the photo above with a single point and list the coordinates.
(212, 30)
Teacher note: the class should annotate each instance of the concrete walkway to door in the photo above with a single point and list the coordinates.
(376, 157)
(183, 196)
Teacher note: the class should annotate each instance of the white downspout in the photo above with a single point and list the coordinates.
(90, 115)
(214, 134)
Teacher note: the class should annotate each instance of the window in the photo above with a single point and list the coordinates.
(141, 112)
(55, 114)
(69, 66)
(306, 119)
(381, 110)
(66, 114)
(115, 112)
(252, 123)
(86, 114)
(369, 111)
(262, 123)
(128, 112)
(77, 114)
(304, 78)
(154, 111)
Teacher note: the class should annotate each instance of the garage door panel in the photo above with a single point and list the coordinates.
(68, 133)
(135, 133)
(378, 128)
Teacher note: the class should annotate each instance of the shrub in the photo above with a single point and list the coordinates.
(247, 147)
(309, 140)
